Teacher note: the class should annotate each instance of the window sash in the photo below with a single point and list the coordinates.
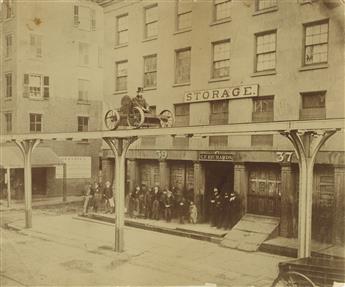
(266, 51)
(8, 82)
(83, 90)
(8, 119)
(35, 122)
(8, 51)
(151, 29)
(222, 9)
(122, 29)
(84, 18)
(266, 4)
(218, 141)
(316, 43)
(184, 20)
(313, 100)
(183, 65)
(151, 14)
(83, 124)
(36, 45)
(83, 53)
(8, 4)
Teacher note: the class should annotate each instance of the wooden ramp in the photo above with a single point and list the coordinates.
(250, 232)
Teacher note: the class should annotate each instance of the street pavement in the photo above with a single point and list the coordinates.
(62, 251)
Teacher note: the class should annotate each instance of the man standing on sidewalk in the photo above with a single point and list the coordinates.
(108, 194)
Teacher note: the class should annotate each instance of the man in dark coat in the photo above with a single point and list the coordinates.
(234, 208)
(108, 194)
(148, 203)
(168, 204)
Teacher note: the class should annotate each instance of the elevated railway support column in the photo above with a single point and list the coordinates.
(306, 145)
(27, 146)
(119, 147)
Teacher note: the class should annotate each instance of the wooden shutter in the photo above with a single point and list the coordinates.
(46, 87)
(76, 15)
(26, 86)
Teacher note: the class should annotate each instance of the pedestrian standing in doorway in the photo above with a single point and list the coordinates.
(226, 211)
(235, 208)
(148, 203)
(193, 213)
(182, 205)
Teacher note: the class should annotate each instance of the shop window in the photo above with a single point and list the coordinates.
(182, 115)
(36, 86)
(122, 30)
(184, 14)
(316, 43)
(313, 105)
(262, 109)
(36, 45)
(83, 124)
(9, 45)
(265, 51)
(150, 71)
(121, 76)
(151, 21)
(221, 59)
(222, 9)
(9, 85)
(265, 4)
(218, 141)
(35, 122)
(262, 140)
(83, 90)
(8, 122)
(83, 54)
(182, 69)
(219, 112)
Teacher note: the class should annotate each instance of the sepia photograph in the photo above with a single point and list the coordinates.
(172, 143)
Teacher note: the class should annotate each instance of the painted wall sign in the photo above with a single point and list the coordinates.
(244, 91)
(162, 154)
(215, 156)
(284, 156)
(76, 167)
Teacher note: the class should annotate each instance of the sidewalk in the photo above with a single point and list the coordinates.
(39, 202)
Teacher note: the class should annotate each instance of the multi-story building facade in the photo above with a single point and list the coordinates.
(52, 75)
(226, 62)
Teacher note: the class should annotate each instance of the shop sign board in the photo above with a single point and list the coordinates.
(76, 167)
(216, 156)
(244, 91)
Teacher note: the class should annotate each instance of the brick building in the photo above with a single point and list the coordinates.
(223, 61)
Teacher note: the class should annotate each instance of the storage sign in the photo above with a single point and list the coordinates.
(245, 91)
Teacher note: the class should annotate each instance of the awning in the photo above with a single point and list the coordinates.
(11, 157)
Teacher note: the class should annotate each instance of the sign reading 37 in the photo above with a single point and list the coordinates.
(284, 156)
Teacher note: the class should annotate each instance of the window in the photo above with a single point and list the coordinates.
(266, 51)
(35, 122)
(183, 62)
(313, 105)
(8, 8)
(84, 18)
(83, 124)
(150, 71)
(36, 45)
(265, 4)
(36, 86)
(8, 83)
(184, 14)
(9, 45)
(8, 121)
(262, 140)
(218, 141)
(83, 54)
(262, 109)
(181, 115)
(121, 76)
(219, 112)
(151, 21)
(221, 59)
(221, 9)
(316, 43)
(122, 30)
(83, 90)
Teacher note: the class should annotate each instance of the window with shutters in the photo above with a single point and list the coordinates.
(84, 18)
(122, 30)
(8, 122)
(184, 14)
(313, 105)
(219, 114)
(8, 8)
(83, 54)
(182, 115)
(35, 122)
(83, 90)
(222, 9)
(151, 21)
(8, 85)
(266, 51)
(316, 43)
(36, 45)
(183, 65)
(9, 45)
(83, 124)
(36, 86)
(265, 4)
(121, 75)
(221, 59)
(150, 71)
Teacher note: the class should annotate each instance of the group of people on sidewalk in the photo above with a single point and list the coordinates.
(154, 203)
(97, 196)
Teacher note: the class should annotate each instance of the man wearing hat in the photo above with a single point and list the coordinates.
(140, 102)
